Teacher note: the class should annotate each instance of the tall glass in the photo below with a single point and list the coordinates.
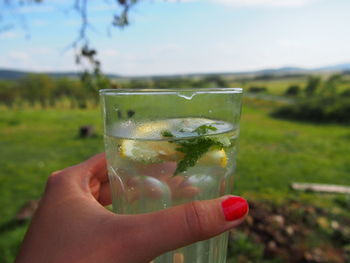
(166, 147)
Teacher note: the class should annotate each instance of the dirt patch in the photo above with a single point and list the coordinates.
(295, 233)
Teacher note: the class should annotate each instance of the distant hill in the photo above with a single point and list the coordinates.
(283, 70)
(8, 74)
(338, 67)
(11, 74)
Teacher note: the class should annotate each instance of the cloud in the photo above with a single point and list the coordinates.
(266, 3)
(18, 55)
(288, 43)
(109, 52)
(39, 58)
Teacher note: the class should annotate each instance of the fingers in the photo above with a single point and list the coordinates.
(97, 167)
(105, 197)
(87, 176)
(183, 225)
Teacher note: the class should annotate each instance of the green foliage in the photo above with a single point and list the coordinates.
(312, 85)
(317, 109)
(345, 93)
(293, 90)
(324, 106)
(196, 147)
(257, 89)
(343, 201)
(204, 129)
(167, 133)
(8, 92)
(216, 81)
(37, 87)
(167, 83)
(243, 250)
(193, 150)
(42, 90)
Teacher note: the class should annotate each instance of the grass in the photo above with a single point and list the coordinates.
(274, 86)
(273, 153)
(34, 144)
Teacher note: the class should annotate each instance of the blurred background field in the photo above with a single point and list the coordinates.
(41, 134)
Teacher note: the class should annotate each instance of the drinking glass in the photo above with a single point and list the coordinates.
(166, 147)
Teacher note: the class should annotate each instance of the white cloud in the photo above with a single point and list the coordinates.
(265, 3)
(288, 43)
(108, 52)
(18, 55)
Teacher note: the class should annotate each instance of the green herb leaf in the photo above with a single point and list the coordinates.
(193, 150)
(204, 129)
(167, 133)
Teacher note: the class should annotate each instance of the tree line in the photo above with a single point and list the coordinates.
(40, 89)
(319, 101)
(45, 91)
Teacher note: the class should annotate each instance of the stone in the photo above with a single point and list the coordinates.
(86, 131)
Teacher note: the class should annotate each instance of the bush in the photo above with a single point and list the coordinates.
(319, 109)
(312, 85)
(293, 90)
(346, 93)
(257, 89)
(322, 103)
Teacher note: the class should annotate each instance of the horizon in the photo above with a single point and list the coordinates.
(287, 67)
(224, 36)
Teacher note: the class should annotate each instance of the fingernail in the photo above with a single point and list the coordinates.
(234, 208)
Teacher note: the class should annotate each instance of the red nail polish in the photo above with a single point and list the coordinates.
(234, 208)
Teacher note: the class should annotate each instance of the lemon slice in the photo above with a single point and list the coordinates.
(214, 157)
(159, 151)
(151, 129)
(138, 151)
(147, 151)
(150, 152)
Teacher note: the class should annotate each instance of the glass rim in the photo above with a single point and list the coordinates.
(169, 91)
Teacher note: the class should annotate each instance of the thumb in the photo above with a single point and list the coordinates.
(182, 225)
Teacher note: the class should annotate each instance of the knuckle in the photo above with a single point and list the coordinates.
(55, 179)
(196, 220)
(55, 173)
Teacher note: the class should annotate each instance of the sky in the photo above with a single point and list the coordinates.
(185, 36)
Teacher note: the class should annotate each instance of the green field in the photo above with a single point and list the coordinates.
(273, 153)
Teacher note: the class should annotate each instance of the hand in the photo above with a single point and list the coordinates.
(71, 224)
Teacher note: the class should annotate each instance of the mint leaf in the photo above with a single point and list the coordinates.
(167, 133)
(204, 129)
(193, 150)
(222, 139)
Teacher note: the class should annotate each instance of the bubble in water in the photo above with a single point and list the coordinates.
(118, 111)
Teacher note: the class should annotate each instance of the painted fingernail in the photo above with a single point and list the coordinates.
(234, 208)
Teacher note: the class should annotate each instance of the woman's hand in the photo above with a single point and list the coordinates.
(71, 224)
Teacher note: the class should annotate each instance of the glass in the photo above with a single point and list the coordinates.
(166, 147)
